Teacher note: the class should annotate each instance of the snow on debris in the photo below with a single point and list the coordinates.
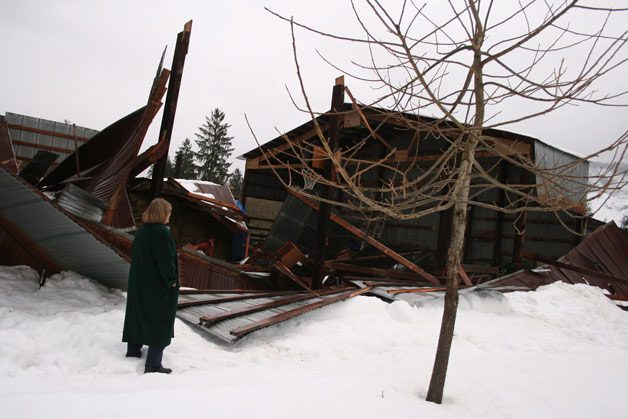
(559, 352)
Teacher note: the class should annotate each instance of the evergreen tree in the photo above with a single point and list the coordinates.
(187, 169)
(235, 183)
(214, 148)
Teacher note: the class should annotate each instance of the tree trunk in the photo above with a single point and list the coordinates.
(459, 223)
(454, 257)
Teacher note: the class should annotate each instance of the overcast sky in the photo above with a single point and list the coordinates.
(93, 62)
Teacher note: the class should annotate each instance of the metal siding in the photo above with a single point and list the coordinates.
(550, 158)
(66, 242)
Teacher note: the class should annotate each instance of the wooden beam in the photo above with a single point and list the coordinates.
(361, 235)
(415, 290)
(299, 281)
(170, 107)
(244, 330)
(334, 127)
(465, 277)
(367, 270)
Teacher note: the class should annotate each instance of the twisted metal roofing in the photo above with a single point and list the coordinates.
(56, 235)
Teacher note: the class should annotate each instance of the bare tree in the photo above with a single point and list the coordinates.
(472, 71)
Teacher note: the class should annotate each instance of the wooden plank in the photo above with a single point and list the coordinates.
(480, 269)
(299, 281)
(374, 257)
(215, 318)
(244, 330)
(465, 277)
(415, 290)
(334, 126)
(170, 107)
(367, 270)
(379, 246)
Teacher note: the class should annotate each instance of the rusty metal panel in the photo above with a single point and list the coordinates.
(13, 253)
(100, 148)
(30, 134)
(202, 272)
(605, 251)
(67, 244)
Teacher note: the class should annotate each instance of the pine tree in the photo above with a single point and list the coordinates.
(214, 148)
(235, 183)
(187, 168)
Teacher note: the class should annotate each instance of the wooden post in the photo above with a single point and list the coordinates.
(520, 225)
(170, 108)
(335, 122)
(499, 221)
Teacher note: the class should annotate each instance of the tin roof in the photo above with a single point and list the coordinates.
(55, 235)
(600, 260)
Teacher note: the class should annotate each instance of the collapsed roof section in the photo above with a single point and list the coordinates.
(30, 135)
(600, 260)
(50, 235)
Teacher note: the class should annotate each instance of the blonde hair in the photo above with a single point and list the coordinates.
(157, 211)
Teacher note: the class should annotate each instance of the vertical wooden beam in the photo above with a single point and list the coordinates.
(520, 223)
(499, 221)
(335, 122)
(170, 108)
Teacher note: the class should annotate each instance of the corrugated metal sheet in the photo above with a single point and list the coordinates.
(30, 134)
(296, 222)
(64, 241)
(203, 272)
(81, 203)
(222, 329)
(605, 251)
(101, 147)
(567, 173)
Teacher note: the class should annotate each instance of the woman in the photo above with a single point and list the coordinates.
(153, 288)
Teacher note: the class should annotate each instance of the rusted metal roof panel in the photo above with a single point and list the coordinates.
(604, 251)
(197, 270)
(254, 313)
(58, 236)
(101, 147)
(30, 134)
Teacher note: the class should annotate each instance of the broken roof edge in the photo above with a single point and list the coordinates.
(62, 225)
(348, 107)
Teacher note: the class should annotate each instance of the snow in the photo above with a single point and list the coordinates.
(559, 352)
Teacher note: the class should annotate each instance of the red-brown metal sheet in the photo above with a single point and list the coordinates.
(605, 251)
(102, 147)
(196, 271)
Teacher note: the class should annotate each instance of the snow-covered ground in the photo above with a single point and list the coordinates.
(560, 352)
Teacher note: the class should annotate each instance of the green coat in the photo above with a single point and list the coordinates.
(153, 288)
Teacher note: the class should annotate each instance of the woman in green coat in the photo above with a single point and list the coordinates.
(153, 288)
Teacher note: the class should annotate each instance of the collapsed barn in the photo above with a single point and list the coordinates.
(494, 239)
(76, 210)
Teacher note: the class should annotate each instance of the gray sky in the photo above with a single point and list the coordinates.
(92, 62)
